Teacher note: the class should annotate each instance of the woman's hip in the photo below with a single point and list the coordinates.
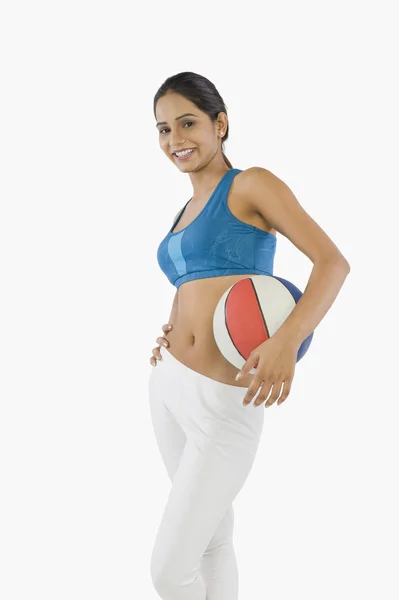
(204, 407)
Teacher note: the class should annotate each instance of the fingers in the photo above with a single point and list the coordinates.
(286, 391)
(264, 392)
(275, 393)
(279, 391)
(156, 355)
(162, 341)
(252, 389)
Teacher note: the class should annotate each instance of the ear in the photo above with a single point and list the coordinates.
(221, 124)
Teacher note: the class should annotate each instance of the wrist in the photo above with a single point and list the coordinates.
(285, 336)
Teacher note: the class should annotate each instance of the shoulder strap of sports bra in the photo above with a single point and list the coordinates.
(179, 215)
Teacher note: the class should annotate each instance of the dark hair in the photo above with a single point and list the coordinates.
(199, 90)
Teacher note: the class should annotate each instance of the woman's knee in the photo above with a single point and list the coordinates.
(162, 584)
(163, 573)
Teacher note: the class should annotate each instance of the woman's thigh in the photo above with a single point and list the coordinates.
(220, 444)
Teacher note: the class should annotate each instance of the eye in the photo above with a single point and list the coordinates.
(186, 123)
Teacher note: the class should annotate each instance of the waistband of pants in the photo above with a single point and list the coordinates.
(168, 358)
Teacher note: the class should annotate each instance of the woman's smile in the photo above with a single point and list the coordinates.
(185, 154)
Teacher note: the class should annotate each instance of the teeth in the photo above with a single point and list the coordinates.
(184, 152)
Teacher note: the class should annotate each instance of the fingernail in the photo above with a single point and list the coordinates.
(238, 376)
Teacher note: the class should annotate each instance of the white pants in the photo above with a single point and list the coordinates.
(208, 442)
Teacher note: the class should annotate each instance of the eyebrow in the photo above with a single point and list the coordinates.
(177, 118)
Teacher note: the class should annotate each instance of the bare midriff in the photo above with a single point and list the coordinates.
(191, 341)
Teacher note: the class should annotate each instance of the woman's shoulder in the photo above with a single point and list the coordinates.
(255, 175)
(258, 191)
(254, 183)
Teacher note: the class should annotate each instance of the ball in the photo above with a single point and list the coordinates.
(250, 312)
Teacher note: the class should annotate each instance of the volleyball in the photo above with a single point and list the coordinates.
(250, 312)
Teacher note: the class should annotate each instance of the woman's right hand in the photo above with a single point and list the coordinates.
(156, 355)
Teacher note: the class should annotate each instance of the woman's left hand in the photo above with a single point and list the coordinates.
(275, 361)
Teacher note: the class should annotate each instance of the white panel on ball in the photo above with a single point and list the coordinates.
(275, 300)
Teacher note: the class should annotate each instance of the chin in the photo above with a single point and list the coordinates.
(184, 167)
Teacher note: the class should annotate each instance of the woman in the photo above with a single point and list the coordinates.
(206, 434)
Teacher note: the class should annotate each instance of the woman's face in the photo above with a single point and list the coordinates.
(195, 130)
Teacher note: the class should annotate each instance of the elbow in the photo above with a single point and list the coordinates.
(338, 261)
(346, 265)
(342, 262)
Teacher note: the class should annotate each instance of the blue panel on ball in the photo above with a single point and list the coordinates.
(303, 348)
(296, 293)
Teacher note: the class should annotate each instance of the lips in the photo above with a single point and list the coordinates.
(184, 149)
(184, 156)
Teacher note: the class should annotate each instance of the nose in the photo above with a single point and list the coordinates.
(175, 139)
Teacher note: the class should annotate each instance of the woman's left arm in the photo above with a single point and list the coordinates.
(277, 204)
(272, 198)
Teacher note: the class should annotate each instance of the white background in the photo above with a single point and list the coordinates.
(86, 197)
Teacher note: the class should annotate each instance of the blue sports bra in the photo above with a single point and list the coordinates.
(216, 243)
